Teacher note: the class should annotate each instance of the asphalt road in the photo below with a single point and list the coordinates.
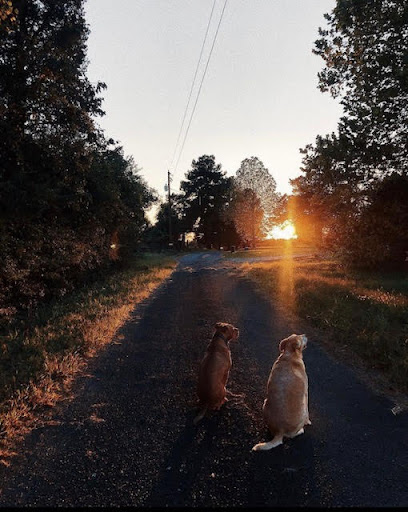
(127, 437)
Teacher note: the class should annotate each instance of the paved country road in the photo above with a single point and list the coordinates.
(127, 438)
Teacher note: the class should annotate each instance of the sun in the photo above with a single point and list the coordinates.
(285, 231)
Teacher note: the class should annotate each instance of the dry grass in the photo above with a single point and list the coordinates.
(273, 248)
(39, 361)
(365, 313)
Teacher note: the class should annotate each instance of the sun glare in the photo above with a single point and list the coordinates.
(285, 231)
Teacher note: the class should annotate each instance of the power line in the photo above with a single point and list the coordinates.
(202, 80)
(193, 83)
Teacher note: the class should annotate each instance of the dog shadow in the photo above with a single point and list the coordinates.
(185, 461)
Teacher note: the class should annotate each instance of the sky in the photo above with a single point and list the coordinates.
(259, 96)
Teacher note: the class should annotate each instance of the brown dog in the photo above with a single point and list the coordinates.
(214, 369)
(286, 407)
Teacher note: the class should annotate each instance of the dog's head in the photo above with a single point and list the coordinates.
(230, 332)
(294, 343)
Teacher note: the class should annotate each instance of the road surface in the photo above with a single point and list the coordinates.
(127, 437)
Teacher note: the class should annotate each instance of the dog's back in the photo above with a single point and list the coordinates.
(285, 408)
(214, 369)
(213, 375)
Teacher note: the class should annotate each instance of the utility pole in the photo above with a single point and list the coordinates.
(169, 203)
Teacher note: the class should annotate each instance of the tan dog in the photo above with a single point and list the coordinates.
(286, 407)
(214, 369)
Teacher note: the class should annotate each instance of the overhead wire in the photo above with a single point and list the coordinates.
(193, 83)
(202, 80)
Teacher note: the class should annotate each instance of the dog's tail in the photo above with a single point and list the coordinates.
(200, 415)
(276, 441)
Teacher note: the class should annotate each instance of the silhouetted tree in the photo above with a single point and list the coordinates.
(158, 234)
(364, 49)
(379, 238)
(64, 193)
(253, 175)
(246, 213)
(206, 195)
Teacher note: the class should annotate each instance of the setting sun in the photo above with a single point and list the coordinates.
(285, 231)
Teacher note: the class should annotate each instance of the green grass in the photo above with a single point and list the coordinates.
(40, 355)
(365, 312)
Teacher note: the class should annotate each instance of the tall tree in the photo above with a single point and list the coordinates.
(47, 104)
(246, 213)
(365, 50)
(206, 195)
(64, 193)
(253, 175)
(330, 194)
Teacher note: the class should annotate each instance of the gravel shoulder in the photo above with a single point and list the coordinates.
(127, 437)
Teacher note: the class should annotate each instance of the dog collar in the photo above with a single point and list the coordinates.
(220, 335)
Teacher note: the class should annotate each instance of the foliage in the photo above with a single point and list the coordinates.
(365, 50)
(253, 175)
(63, 192)
(246, 213)
(206, 194)
(8, 15)
(378, 238)
(159, 234)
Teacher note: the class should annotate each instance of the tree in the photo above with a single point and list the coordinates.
(365, 50)
(246, 213)
(119, 197)
(206, 195)
(64, 193)
(330, 193)
(253, 175)
(378, 238)
(158, 234)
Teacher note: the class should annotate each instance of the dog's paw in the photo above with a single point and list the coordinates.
(257, 447)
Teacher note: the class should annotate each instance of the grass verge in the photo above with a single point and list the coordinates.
(365, 313)
(40, 357)
(273, 248)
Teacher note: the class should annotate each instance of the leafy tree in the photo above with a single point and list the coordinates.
(330, 193)
(64, 194)
(365, 50)
(378, 239)
(158, 234)
(206, 195)
(246, 213)
(118, 200)
(253, 175)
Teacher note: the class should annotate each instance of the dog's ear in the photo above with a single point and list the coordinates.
(292, 343)
(282, 345)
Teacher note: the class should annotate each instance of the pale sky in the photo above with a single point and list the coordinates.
(259, 96)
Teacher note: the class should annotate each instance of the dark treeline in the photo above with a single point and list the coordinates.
(353, 194)
(70, 202)
(221, 211)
